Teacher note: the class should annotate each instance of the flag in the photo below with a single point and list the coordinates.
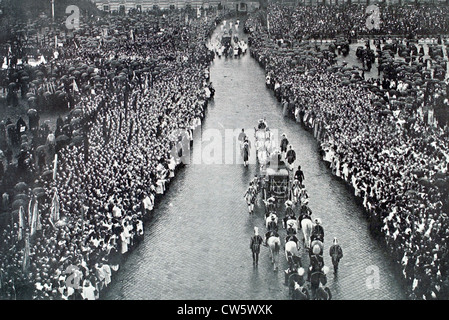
(54, 211)
(30, 214)
(21, 224)
(146, 83)
(75, 87)
(55, 167)
(26, 254)
(34, 219)
(268, 24)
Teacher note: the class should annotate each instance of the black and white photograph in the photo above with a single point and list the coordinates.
(224, 150)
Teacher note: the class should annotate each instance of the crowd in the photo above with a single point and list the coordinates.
(378, 135)
(330, 21)
(85, 210)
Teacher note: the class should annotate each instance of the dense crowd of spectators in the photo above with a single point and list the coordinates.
(379, 135)
(330, 21)
(116, 151)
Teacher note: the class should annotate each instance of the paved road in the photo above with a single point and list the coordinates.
(196, 245)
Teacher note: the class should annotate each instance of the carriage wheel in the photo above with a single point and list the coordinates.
(329, 294)
(306, 293)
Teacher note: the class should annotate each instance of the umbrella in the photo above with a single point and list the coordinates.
(424, 182)
(439, 175)
(77, 112)
(38, 190)
(21, 196)
(46, 174)
(441, 183)
(21, 186)
(77, 140)
(19, 203)
(418, 173)
(62, 138)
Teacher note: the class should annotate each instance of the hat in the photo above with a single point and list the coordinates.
(301, 271)
(316, 249)
(288, 203)
(256, 230)
(318, 221)
(271, 199)
(325, 269)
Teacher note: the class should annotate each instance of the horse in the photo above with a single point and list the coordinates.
(318, 281)
(274, 243)
(306, 226)
(299, 193)
(319, 244)
(292, 253)
(271, 217)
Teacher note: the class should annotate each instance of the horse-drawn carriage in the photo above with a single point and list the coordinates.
(276, 184)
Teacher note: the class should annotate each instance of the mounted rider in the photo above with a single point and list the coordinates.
(317, 231)
(292, 237)
(269, 206)
(272, 229)
(299, 175)
(289, 213)
(305, 212)
(316, 261)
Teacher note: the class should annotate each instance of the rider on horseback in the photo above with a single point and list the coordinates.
(269, 206)
(317, 231)
(316, 260)
(272, 229)
(289, 213)
(305, 212)
(292, 237)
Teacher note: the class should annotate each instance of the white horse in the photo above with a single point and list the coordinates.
(306, 226)
(299, 193)
(269, 218)
(291, 251)
(274, 243)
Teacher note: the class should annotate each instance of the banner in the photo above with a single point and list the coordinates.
(34, 219)
(75, 87)
(54, 212)
(21, 224)
(26, 254)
